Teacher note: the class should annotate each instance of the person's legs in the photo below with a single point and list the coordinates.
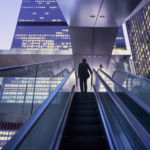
(85, 85)
(81, 85)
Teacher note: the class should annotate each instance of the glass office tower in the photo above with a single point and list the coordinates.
(138, 28)
(120, 41)
(41, 26)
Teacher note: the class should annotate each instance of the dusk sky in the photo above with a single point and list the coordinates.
(9, 11)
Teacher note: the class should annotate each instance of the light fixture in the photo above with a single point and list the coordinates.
(83, 55)
(102, 16)
(99, 56)
(92, 16)
(94, 56)
(89, 56)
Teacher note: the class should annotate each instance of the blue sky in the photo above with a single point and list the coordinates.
(9, 11)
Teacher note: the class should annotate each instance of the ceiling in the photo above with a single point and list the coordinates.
(94, 24)
(87, 40)
(77, 12)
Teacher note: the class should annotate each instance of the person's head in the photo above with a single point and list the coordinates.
(84, 60)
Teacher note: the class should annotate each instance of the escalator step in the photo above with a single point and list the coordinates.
(84, 121)
(84, 99)
(84, 143)
(84, 130)
(81, 113)
(84, 107)
(84, 102)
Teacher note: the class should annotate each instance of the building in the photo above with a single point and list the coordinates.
(120, 41)
(41, 26)
(139, 36)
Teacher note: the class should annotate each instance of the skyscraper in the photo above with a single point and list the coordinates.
(139, 36)
(120, 41)
(41, 26)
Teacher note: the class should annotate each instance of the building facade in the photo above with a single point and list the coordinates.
(41, 26)
(27, 89)
(120, 40)
(138, 28)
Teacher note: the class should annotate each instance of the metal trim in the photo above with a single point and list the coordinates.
(16, 140)
(61, 72)
(106, 126)
(139, 77)
(19, 66)
(133, 97)
(76, 78)
(136, 126)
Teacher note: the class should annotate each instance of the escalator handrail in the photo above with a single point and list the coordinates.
(63, 119)
(110, 136)
(136, 126)
(61, 72)
(145, 107)
(20, 66)
(21, 134)
(131, 74)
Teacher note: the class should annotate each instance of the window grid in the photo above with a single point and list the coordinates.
(139, 36)
(120, 41)
(41, 26)
(27, 90)
(7, 130)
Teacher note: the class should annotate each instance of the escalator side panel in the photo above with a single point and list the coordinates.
(136, 110)
(41, 136)
(124, 134)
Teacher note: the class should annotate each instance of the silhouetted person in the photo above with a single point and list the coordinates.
(83, 74)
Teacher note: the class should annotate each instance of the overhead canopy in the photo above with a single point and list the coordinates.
(106, 13)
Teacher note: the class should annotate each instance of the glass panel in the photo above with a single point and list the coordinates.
(139, 87)
(41, 135)
(25, 88)
(134, 108)
(124, 135)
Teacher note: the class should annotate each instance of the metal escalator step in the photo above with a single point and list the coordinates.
(84, 121)
(84, 102)
(84, 143)
(84, 130)
(83, 107)
(82, 113)
(84, 98)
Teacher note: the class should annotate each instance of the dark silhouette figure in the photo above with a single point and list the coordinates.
(83, 74)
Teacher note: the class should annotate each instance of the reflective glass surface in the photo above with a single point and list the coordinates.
(139, 87)
(120, 40)
(23, 89)
(139, 113)
(49, 121)
(33, 83)
(124, 135)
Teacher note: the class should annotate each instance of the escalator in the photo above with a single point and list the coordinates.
(134, 101)
(69, 120)
(84, 127)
